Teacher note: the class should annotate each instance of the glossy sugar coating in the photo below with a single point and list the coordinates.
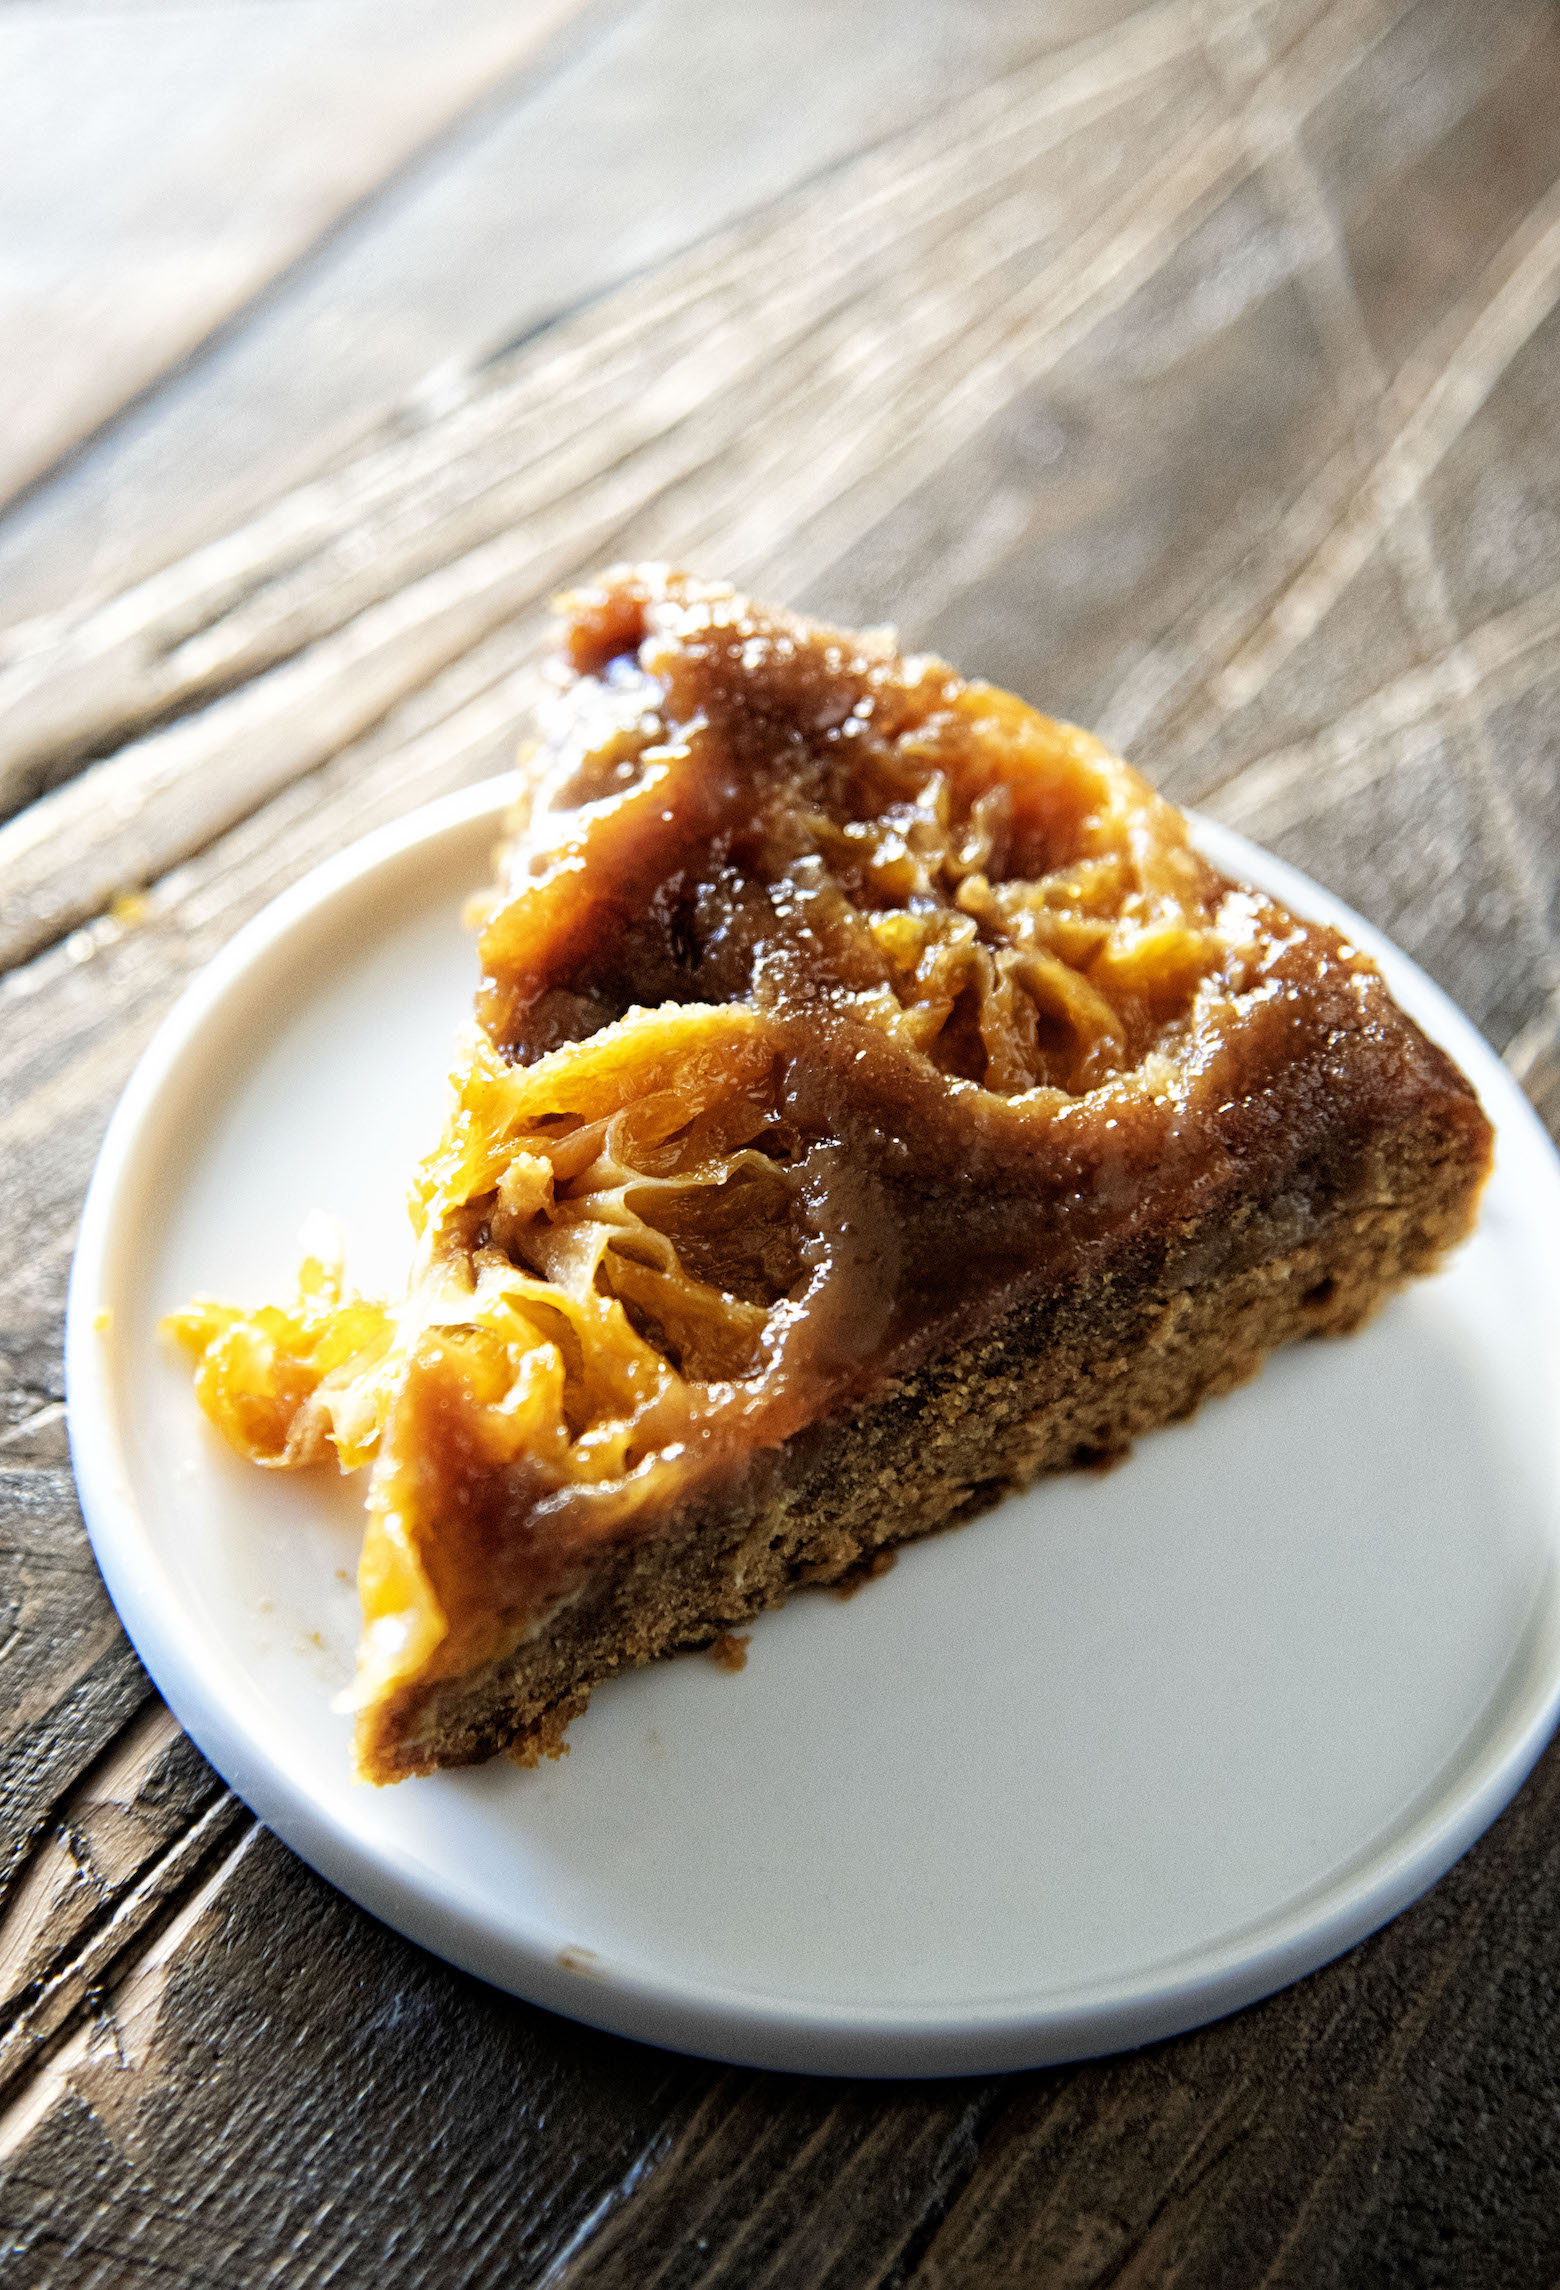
(735, 806)
(828, 1000)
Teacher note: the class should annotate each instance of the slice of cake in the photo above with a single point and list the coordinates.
(874, 1101)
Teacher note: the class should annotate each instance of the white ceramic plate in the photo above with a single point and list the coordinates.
(1116, 1758)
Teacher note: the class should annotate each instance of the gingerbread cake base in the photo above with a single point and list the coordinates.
(1067, 1379)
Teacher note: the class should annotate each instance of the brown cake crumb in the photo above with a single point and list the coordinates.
(869, 1569)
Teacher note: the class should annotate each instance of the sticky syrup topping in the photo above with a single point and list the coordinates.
(819, 989)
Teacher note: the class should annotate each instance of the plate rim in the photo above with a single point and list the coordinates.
(742, 2025)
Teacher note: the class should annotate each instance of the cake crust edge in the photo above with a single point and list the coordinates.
(1067, 1378)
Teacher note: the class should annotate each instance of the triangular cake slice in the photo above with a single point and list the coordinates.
(874, 1101)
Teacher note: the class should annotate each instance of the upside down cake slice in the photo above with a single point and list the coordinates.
(874, 1101)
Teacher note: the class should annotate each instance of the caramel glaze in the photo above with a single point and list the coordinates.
(902, 1120)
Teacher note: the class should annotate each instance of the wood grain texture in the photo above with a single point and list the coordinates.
(885, 325)
(631, 429)
(165, 166)
(1191, 369)
(643, 126)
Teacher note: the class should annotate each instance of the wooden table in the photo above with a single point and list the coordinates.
(1192, 367)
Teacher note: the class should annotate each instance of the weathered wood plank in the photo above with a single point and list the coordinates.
(70, 1680)
(784, 2180)
(159, 181)
(403, 2156)
(130, 1843)
(116, 1819)
(649, 127)
(560, 450)
(885, 382)
(434, 488)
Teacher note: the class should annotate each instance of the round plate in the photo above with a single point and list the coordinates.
(1117, 1757)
